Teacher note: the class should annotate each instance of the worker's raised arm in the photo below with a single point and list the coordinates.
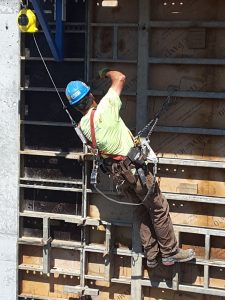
(117, 78)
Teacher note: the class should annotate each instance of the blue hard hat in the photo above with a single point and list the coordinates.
(76, 90)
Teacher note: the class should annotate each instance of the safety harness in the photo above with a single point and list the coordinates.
(138, 156)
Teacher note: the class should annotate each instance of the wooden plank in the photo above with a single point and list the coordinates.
(191, 162)
(201, 215)
(187, 94)
(66, 260)
(209, 182)
(31, 256)
(95, 264)
(187, 24)
(71, 155)
(115, 291)
(49, 287)
(186, 61)
(217, 277)
(152, 293)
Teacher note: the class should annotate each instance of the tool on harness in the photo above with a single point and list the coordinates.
(143, 144)
(95, 179)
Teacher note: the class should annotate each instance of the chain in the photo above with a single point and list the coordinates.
(155, 120)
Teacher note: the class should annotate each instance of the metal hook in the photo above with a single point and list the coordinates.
(24, 3)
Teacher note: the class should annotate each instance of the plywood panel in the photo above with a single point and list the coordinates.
(191, 274)
(193, 113)
(65, 260)
(187, 77)
(97, 235)
(122, 266)
(113, 42)
(164, 294)
(191, 10)
(97, 209)
(176, 42)
(195, 241)
(47, 286)
(103, 85)
(192, 180)
(197, 214)
(95, 264)
(31, 256)
(217, 277)
(113, 292)
(159, 274)
(126, 12)
(103, 41)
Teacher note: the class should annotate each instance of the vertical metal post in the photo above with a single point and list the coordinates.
(46, 29)
(108, 252)
(176, 268)
(136, 263)
(206, 267)
(59, 35)
(84, 232)
(142, 67)
(46, 246)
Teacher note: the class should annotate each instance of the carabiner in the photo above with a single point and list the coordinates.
(24, 3)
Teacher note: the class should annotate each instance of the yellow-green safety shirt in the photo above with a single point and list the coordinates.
(112, 135)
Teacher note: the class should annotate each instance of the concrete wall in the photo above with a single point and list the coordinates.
(9, 145)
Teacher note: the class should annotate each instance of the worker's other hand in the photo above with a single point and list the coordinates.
(102, 73)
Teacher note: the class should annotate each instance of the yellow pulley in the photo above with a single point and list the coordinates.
(27, 21)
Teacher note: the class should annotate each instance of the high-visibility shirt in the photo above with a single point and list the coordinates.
(111, 133)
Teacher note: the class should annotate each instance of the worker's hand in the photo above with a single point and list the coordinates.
(102, 72)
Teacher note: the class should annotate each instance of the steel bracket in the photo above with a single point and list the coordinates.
(83, 291)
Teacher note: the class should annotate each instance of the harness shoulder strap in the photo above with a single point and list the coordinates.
(93, 138)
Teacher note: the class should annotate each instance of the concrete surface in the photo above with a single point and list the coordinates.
(9, 146)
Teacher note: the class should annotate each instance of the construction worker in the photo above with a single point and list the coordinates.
(102, 124)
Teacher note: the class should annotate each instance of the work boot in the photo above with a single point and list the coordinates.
(152, 263)
(180, 256)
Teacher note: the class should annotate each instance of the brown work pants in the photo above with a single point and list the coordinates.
(156, 229)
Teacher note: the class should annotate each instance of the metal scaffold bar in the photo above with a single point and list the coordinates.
(56, 45)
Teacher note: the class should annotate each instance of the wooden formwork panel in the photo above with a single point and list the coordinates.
(31, 255)
(188, 43)
(103, 85)
(65, 260)
(47, 201)
(189, 10)
(198, 214)
(46, 286)
(192, 180)
(192, 113)
(71, 236)
(187, 77)
(126, 12)
(103, 42)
